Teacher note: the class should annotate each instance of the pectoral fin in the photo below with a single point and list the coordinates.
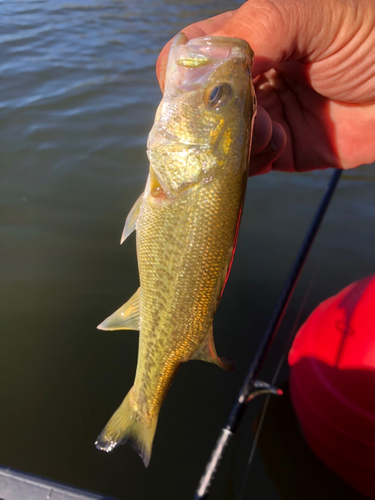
(125, 318)
(207, 352)
(131, 219)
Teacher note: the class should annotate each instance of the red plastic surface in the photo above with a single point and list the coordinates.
(332, 379)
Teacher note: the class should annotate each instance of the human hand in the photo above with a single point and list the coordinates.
(314, 76)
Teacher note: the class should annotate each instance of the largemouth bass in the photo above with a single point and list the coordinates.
(186, 224)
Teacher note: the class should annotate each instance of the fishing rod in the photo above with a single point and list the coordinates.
(252, 387)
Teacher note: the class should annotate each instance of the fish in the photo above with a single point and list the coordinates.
(186, 224)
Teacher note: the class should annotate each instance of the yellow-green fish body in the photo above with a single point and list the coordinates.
(186, 224)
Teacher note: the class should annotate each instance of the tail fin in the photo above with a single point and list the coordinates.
(128, 425)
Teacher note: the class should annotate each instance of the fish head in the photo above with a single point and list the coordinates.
(205, 116)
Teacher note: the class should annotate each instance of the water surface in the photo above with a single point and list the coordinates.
(78, 94)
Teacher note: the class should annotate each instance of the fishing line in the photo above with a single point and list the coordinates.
(274, 380)
(250, 382)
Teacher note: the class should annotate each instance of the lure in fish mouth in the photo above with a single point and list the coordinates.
(186, 224)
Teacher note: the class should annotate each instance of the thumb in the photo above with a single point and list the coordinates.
(269, 27)
(277, 31)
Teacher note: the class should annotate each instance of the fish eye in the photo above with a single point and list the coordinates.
(218, 96)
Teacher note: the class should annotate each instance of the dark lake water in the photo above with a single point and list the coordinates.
(78, 94)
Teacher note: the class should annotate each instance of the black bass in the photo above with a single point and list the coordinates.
(186, 224)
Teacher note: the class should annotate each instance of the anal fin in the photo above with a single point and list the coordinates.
(131, 219)
(207, 352)
(127, 317)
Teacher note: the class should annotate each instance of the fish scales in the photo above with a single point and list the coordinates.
(179, 291)
(186, 224)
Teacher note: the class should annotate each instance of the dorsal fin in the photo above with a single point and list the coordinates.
(125, 318)
(131, 219)
(207, 352)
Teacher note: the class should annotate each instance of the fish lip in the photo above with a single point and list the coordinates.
(236, 47)
(203, 54)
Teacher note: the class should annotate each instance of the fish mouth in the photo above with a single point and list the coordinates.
(202, 55)
(219, 48)
(203, 51)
